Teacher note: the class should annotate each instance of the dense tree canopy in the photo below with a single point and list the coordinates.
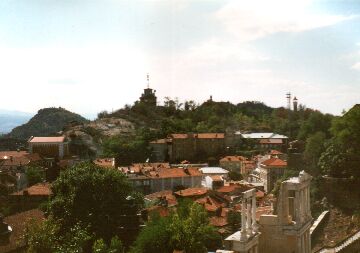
(98, 198)
(342, 155)
(187, 229)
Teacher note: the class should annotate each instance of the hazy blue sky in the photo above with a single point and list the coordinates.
(88, 56)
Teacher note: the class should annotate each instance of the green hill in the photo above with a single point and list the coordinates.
(46, 122)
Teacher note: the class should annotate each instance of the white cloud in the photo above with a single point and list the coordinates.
(70, 77)
(356, 66)
(249, 20)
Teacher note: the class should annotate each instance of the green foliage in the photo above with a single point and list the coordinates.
(234, 220)
(235, 176)
(315, 146)
(46, 237)
(101, 247)
(46, 122)
(129, 149)
(95, 197)
(188, 229)
(342, 155)
(34, 175)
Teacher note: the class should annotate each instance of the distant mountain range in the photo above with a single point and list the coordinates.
(11, 119)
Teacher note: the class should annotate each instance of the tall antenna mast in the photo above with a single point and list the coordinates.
(148, 80)
(288, 97)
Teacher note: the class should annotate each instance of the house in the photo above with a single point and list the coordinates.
(13, 165)
(270, 171)
(232, 163)
(213, 182)
(266, 140)
(155, 177)
(31, 197)
(54, 147)
(212, 171)
(159, 150)
(190, 146)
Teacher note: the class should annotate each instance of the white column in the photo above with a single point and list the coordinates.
(309, 199)
(248, 217)
(243, 221)
(254, 224)
(297, 206)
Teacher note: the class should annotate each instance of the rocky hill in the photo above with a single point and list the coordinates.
(47, 121)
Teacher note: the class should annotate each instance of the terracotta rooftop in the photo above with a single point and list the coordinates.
(161, 210)
(210, 204)
(58, 139)
(190, 192)
(275, 152)
(18, 224)
(218, 221)
(105, 162)
(233, 158)
(199, 136)
(18, 158)
(274, 162)
(41, 189)
(233, 188)
(217, 178)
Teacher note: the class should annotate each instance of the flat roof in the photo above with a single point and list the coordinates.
(47, 139)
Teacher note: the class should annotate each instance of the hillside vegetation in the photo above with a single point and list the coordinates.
(47, 121)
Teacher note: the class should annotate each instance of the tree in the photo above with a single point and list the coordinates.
(34, 175)
(342, 156)
(314, 147)
(234, 220)
(187, 229)
(98, 199)
(47, 237)
(235, 176)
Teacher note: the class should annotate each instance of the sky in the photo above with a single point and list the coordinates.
(93, 55)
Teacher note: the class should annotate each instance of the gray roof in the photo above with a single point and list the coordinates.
(262, 135)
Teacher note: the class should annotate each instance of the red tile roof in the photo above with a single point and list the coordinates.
(210, 204)
(218, 221)
(199, 136)
(47, 139)
(274, 162)
(190, 192)
(161, 210)
(179, 136)
(18, 158)
(217, 178)
(233, 158)
(41, 189)
(233, 188)
(105, 162)
(275, 152)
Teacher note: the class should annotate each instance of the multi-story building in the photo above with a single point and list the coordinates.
(192, 147)
(270, 171)
(49, 147)
(265, 140)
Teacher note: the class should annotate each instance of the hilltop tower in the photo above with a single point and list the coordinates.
(288, 99)
(148, 97)
(295, 104)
